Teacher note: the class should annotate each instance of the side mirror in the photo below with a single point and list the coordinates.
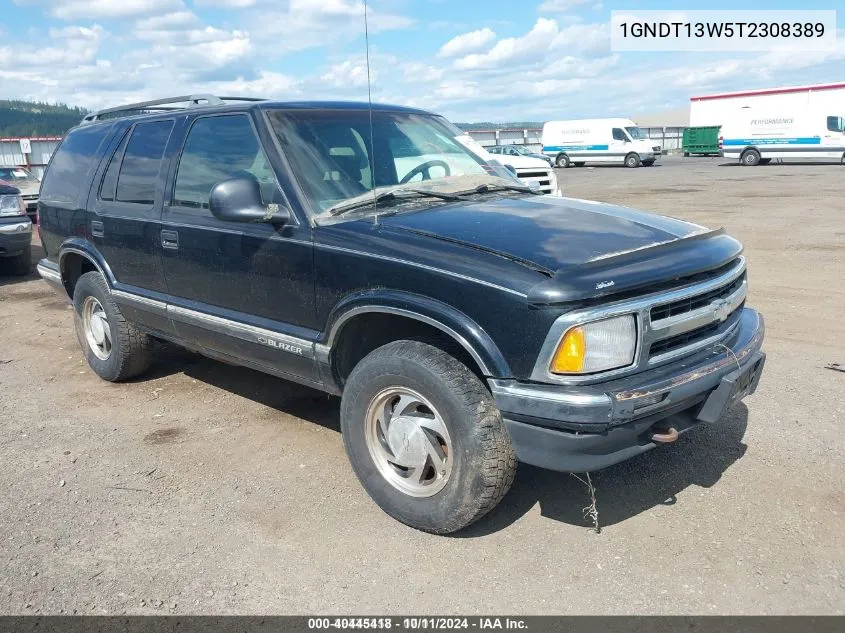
(239, 200)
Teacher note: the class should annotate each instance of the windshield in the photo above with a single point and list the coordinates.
(636, 133)
(10, 174)
(329, 151)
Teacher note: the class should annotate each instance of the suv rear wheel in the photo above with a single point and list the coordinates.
(562, 161)
(114, 348)
(425, 438)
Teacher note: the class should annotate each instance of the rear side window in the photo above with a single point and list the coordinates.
(835, 124)
(138, 176)
(109, 183)
(66, 179)
(619, 135)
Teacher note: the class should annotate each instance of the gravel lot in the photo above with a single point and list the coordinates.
(205, 488)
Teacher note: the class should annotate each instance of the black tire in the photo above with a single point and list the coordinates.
(483, 462)
(131, 349)
(686, 154)
(632, 160)
(20, 265)
(562, 161)
(579, 164)
(648, 163)
(765, 161)
(750, 158)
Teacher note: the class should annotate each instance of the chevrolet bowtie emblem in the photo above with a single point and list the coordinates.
(721, 309)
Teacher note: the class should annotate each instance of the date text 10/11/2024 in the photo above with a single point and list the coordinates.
(416, 624)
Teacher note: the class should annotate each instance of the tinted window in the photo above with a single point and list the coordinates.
(619, 135)
(110, 179)
(67, 176)
(217, 149)
(141, 162)
(835, 124)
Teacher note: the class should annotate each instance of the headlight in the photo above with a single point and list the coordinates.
(596, 346)
(11, 205)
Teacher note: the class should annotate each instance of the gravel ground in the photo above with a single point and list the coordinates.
(205, 488)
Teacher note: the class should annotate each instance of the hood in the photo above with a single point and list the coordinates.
(521, 162)
(583, 245)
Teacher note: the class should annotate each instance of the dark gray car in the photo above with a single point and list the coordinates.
(517, 150)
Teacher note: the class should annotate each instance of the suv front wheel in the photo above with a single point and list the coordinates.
(425, 438)
(114, 348)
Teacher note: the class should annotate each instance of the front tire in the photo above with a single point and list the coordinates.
(562, 161)
(751, 158)
(632, 160)
(648, 163)
(425, 438)
(579, 164)
(114, 348)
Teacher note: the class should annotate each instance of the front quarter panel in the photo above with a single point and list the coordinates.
(361, 262)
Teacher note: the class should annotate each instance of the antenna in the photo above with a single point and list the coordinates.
(370, 107)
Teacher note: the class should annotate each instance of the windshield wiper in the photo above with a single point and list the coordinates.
(390, 194)
(486, 188)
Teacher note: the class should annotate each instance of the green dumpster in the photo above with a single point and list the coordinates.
(701, 140)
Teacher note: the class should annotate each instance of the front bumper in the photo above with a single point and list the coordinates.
(15, 236)
(584, 428)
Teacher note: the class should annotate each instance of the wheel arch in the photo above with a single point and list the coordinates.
(76, 257)
(405, 307)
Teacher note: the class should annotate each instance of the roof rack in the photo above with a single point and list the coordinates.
(193, 101)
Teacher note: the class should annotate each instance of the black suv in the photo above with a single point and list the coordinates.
(466, 321)
(15, 233)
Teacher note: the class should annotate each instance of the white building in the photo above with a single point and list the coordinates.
(716, 109)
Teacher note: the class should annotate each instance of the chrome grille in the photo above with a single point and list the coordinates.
(688, 304)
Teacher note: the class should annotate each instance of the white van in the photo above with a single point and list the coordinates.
(755, 137)
(598, 141)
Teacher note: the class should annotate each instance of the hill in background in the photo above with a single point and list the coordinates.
(31, 118)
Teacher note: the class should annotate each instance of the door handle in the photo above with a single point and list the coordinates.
(97, 228)
(170, 240)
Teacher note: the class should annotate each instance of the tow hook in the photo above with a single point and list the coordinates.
(666, 436)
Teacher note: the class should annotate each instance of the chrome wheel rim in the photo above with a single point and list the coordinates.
(95, 323)
(408, 442)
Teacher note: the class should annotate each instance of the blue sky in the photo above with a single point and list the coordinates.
(470, 60)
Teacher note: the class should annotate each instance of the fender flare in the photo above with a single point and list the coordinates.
(81, 247)
(457, 325)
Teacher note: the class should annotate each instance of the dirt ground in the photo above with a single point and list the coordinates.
(205, 488)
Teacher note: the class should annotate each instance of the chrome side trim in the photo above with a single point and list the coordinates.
(249, 333)
(640, 308)
(48, 274)
(424, 267)
(412, 315)
(143, 302)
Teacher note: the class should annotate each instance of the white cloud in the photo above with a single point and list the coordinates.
(467, 43)
(514, 49)
(417, 73)
(110, 9)
(315, 23)
(229, 4)
(349, 73)
(168, 21)
(583, 38)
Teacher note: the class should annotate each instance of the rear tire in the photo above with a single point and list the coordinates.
(21, 265)
(114, 348)
(686, 154)
(632, 160)
(579, 164)
(648, 163)
(449, 460)
(765, 161)
(562, 161)
(750, 158)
